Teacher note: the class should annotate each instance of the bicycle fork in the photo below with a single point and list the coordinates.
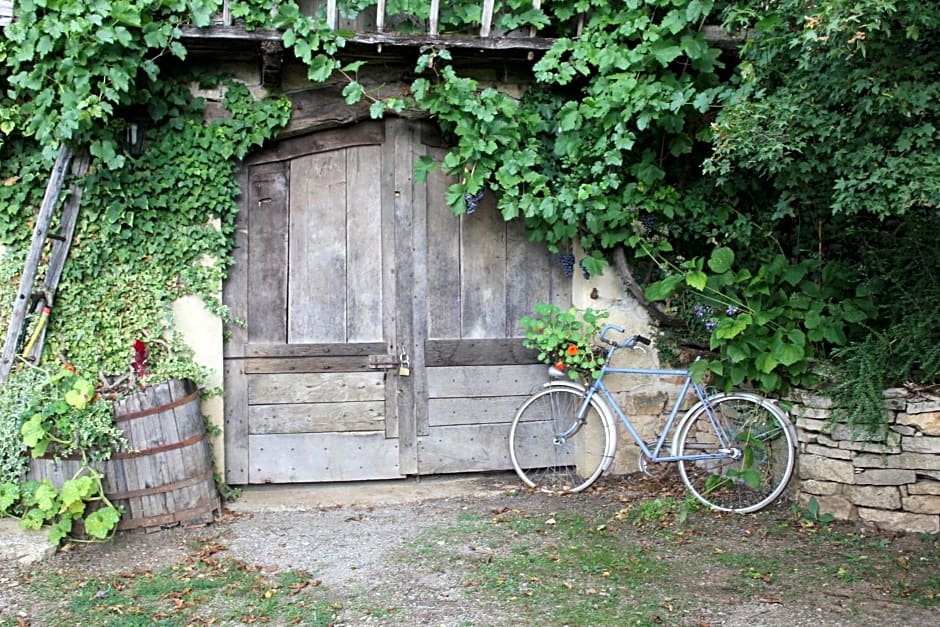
(579, 421)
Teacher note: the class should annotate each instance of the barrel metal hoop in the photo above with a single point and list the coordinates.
(160, 489)
(158, 409)
(172, 446)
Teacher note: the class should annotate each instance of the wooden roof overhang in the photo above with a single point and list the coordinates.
(233, 41)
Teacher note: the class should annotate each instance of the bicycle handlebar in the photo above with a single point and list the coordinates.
(630, 342)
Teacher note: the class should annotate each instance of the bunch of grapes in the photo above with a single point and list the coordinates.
(567, 264)
(473, 200)
(648, 220)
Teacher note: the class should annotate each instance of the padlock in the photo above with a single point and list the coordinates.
(404, 369)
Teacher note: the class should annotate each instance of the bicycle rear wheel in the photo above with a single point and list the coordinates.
(766, 445)
(551, 449)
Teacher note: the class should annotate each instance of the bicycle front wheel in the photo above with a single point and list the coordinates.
(758, 465)
(551, 449)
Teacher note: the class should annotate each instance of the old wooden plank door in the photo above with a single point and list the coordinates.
(345, 263)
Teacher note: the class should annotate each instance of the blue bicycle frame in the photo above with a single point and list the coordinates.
(654, 455)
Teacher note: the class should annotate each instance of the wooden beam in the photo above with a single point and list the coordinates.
(714, 35)
(486, 19)
(433, 19)
(455, 42)
(380, 16)
(331, 14)
(237, 34)
(6, 12)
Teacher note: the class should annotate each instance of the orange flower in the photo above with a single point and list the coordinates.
(560, 365)
(572, 350)
(69, 367)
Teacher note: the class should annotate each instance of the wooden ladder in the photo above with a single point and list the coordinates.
(41, 301)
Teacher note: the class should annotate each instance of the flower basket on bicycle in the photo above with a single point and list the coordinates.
(565, 339)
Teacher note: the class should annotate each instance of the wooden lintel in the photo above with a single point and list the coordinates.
(715, 35)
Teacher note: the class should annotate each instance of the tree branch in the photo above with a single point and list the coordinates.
(626, 276)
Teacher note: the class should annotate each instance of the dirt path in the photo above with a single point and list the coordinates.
(360, 542)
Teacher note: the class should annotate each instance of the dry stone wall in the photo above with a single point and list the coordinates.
(892, 483)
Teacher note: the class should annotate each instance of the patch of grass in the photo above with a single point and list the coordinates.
(556, 568)
(652, 562)
(662, 513)
(200, 590)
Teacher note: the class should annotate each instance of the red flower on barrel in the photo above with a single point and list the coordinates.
(139, 363)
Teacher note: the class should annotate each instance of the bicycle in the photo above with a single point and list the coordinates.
(735, 451)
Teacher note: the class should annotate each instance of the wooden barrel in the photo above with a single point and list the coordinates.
(166, 477)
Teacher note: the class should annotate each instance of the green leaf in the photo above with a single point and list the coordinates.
(423, 167)
(77, 489)
(76, 399)
(748, 460)
(751, 478)
(105, 150)
(59, 530)
(320, 68)
(787, 354)
(698, 370)
(697, 280)
(34, 518)
(352, 93)
(766, 362)
(794, 274)
(46, 496)
(720, 260)
(736, 351)
(729, 328)
(9, 494)
(101, 522)
(377, 110)
(33, 431)
(660, 290)
(202, 12)
(666, 53)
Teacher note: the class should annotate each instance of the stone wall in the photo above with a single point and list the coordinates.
(892, 484)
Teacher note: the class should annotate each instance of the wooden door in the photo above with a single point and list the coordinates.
(344, 264)
(479, 275)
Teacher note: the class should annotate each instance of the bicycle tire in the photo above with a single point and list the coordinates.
(763, 434)
(547, 460)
